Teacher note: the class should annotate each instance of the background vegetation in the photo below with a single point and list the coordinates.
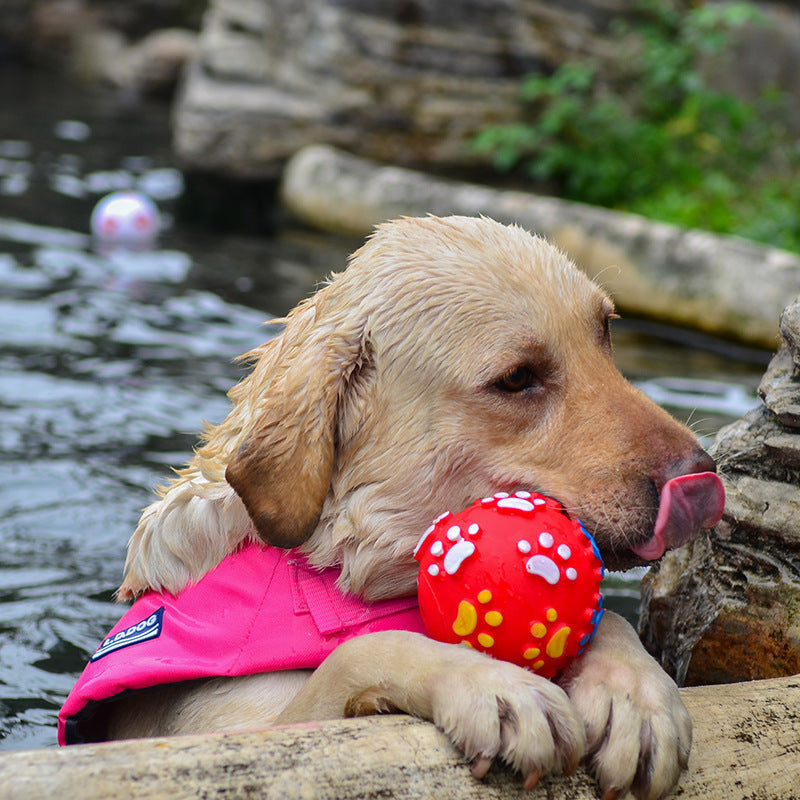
(648, 133)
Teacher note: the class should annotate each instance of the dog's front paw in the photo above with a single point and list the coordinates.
(491, 709)
(638, 731)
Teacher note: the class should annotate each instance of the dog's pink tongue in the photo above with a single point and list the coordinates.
(688, 503)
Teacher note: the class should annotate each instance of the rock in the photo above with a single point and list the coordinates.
(780, 389)
(763, 56)
(154, 63)
(790, 326)
(53, 25)
(92, 38)
(95, 50)
(407, 82)
(722, 285)
(727, 606)
(151, 65)
(410, 82)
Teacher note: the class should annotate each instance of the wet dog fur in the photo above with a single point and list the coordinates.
(454, 357)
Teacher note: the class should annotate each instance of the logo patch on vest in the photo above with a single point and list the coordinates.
(149, 628)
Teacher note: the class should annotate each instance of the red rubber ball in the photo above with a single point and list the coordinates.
(514, 577)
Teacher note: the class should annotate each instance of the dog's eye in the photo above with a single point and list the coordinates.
(517, 380)
(607, 331)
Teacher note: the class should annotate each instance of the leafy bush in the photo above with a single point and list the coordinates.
(648, 134)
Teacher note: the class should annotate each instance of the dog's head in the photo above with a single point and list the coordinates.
(453, 358)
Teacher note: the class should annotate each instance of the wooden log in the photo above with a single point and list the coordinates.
(689, 278)
(746, 744)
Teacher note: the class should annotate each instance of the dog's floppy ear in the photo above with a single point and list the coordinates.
(282, 469)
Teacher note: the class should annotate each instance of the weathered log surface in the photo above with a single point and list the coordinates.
(718, 284)
(747, 744)
(726, 607)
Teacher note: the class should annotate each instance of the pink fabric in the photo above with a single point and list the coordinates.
(261, 610)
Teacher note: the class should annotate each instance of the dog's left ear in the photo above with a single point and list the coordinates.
(282, 469)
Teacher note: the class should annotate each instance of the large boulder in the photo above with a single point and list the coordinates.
(406, 81)
(398, 80)
(727, 607)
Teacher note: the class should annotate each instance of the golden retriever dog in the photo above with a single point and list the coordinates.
(453, 358)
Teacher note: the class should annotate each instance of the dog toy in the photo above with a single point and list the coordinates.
(513, 576)
(127, 219)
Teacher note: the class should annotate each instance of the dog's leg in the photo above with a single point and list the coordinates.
(638, 731)
(488, 708)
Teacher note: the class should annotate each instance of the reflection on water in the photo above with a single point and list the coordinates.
(110, 364)
(690, 393)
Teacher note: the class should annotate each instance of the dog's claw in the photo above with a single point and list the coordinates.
(531, 780)
(481, 766)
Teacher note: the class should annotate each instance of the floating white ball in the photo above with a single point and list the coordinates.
(127, 219)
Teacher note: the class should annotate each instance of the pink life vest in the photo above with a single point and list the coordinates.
(261, 610)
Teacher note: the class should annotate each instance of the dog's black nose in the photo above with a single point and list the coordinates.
(697, 461)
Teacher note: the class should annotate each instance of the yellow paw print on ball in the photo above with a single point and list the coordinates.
(555, 645)
(467, 618)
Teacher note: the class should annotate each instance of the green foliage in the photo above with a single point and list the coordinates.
(651, 136)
